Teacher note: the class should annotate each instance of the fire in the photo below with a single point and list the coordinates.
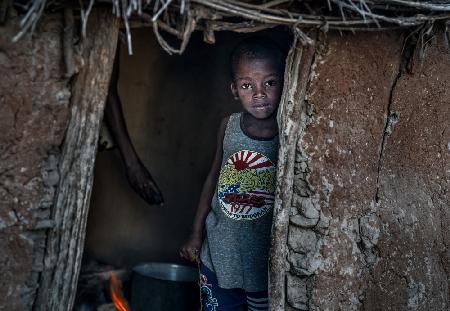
(115, 286)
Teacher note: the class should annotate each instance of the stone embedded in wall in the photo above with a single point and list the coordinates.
(304, 222)
(297, 294)
(323, 224)
(304, 264)
(301, 188)
(369, 228)
(301, 240)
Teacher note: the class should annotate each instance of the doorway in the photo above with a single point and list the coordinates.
(172, 106)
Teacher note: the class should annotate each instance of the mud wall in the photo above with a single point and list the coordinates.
(370, 207)
(34, 110)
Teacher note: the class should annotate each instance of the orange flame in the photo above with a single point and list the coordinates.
(115, 286)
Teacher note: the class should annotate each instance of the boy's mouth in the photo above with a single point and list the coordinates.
(260, 106)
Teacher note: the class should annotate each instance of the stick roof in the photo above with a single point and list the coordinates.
(181, 17)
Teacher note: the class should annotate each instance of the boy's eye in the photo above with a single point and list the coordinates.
(246, 86)
(271, 83)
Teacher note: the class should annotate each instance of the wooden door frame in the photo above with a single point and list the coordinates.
(65, 241)
(291, 120)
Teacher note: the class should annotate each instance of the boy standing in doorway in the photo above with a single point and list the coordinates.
(236, 203)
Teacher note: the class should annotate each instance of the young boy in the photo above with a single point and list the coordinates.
(236, 202)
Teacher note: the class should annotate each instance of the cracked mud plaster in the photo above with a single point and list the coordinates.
(414, 188)
(34, 101)
(334, 225)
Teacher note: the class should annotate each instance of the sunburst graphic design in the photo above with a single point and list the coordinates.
(249, 159)
(246, 185)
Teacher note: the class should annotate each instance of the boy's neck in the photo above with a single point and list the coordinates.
(261, 128)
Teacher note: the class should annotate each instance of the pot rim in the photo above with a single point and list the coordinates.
(167, 271)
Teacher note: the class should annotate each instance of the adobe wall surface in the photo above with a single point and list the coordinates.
(34, 108)
(368, 219)
(414, 186)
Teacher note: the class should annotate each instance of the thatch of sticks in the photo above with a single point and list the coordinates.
(180, 18)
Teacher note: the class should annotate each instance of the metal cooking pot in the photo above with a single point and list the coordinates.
(164, 287)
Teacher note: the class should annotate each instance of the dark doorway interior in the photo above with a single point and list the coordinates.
(172, 106)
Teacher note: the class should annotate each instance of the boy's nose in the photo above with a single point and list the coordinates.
(259, 93)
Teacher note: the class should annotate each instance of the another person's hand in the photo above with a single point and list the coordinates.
(142, 182)
(191, 248)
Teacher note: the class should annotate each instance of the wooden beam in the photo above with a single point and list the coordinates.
(65, 242)
(291, 110)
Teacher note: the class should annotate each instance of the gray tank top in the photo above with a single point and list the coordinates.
(238, 226)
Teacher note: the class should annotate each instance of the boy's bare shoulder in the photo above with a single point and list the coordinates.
(224, 121)
(223, 127)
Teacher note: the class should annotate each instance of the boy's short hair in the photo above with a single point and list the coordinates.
(257, 47)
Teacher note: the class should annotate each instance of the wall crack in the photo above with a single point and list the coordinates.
(393, 117)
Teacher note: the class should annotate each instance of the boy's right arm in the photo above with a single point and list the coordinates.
(191, 248)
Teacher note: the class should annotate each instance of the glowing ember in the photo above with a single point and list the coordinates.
(115, 286)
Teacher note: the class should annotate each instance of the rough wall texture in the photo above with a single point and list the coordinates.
(291, 117)
(371, 180)
(45, 184)
(414, 183)
(65, 241)
(34, 107)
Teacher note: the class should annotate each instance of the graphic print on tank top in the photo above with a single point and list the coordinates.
(246, 185)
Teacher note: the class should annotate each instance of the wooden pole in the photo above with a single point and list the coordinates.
(65, 242)
(291, 123)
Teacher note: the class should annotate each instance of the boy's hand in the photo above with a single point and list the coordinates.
(142, 182)
(190, 250)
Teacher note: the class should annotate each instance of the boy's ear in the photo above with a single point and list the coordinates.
(234, 90)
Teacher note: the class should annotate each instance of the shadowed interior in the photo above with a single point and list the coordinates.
(172, 106)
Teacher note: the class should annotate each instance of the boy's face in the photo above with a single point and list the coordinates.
(258, 84)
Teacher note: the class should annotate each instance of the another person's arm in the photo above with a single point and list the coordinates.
(190, 249)
(138, 175)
